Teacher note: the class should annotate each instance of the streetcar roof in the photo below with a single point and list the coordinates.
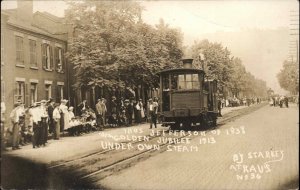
(185, 70)
(211, 80)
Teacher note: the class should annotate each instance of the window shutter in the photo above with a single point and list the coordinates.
(27, 101)
(17, 48)
(22, 50)
(36, 92)
(55, 58)
(51, 57)
(63, 59)
(15, 92)
(57, 94)
(43, 56)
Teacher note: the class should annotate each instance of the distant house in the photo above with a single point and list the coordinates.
(33, 65)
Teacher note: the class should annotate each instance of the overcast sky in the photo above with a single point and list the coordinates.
(196, 19)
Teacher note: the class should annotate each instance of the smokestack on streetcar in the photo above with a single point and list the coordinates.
(186, 99)
(187, 63)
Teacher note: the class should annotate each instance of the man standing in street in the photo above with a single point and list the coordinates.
(129, 112)
(56, 120)
(50, 109)
(15, 119)
(286, 101)
(104, 111)
(139, 107)
(44, 123)
(219, 107)
(99, 114)
(153, 108)
(36, 118)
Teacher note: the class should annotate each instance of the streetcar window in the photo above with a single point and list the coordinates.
(181, 82)
(196, 84)
(174, 81)
(188, 81)
(166, 82)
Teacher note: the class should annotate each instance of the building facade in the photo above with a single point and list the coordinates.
(33, 65)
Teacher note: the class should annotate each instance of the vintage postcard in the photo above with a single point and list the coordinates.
(150, 94)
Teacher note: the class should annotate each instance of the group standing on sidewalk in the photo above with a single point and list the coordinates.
(44, 119)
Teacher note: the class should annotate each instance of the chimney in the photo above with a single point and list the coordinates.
(187, 63)
(25, 10)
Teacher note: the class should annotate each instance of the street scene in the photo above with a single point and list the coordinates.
(149, 95)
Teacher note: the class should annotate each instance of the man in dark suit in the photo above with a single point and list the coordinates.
(219, 107)
(50, 109)
(129, 111)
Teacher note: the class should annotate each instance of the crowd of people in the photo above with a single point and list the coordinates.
(34, 123)
(125, 112)
(279, 101)
(44, 119)
(234, 101)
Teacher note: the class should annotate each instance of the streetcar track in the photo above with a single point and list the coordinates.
(99, 152)
(128, 159)
(150, 152)
(223, 122)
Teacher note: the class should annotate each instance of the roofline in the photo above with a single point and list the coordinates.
(50, 16)
(181, 69)
(45, 34)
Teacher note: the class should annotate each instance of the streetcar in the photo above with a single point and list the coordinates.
(187, 99)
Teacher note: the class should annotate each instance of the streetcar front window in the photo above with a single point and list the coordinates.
(188, 81)
(181, 82)
(174, 81)
(196, 83)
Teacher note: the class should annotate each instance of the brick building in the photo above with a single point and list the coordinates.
(33, 66)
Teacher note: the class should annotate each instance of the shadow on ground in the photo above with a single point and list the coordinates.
(19, 173)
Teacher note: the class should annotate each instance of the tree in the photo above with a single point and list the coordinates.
(288, 77)
(217, 62)
(113, 47)
(229, 71)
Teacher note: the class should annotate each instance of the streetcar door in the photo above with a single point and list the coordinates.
(166, 92)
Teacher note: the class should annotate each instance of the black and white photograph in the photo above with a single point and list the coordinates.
(150, 94)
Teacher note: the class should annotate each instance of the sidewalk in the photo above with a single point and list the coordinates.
(226, 110)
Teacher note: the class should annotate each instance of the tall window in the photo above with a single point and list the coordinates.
(20, 91)
(32, 51)
(33, 92)
(188, 81)
(59, 59)
(47, 59)
(60, 92)
(19, 50)
(48, 90)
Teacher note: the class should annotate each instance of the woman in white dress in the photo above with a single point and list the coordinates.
(64, 108)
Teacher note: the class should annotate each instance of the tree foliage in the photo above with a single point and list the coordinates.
(218, 63)
(288, 77)
(113, 47)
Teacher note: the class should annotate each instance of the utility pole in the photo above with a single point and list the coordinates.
(294, 35)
